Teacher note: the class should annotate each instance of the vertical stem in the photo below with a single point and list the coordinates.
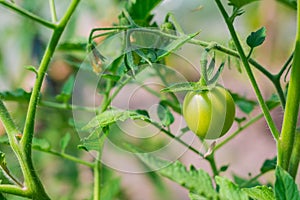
(53, 11)
(212, 162)
(295, 157)
(31, 178)
(288, 132)
(97, 176)
(251, 77)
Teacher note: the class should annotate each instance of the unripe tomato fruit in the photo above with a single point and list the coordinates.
(209, 113)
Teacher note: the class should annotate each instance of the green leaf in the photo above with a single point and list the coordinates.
(268, 165)
(240, 3)
(92, 142)
(41, 144)
(32, 68)
(256, 38)
(229, 190)
(19, 95)
(179, 87)
(196, 181)
(273, 101)
(165, 114)
(285, 187)
(67, 90)
(175, 44)
(193, 196)
(111, 189)
(224, 168)
(243, 103)
(140, 10)
(291, 3)
(129, 63)
(64, 142)
(111, 116)
(242, 182)
(260, 193)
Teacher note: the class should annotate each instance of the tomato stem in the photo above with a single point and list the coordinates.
(288, 138)
(28, 14)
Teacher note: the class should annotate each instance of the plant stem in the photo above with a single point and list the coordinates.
(67, 156)
(177, 139)
(31, 178)
(53, 11)
(65, 106)
(212, 162)
(15, 190)
(251, 77)
(28, 14)
(97, 177)
(290, 118)
(295, 157)
(9, 125)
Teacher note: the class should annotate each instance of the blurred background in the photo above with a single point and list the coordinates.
(23, 41)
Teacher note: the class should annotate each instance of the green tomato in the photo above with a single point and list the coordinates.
(209, 113)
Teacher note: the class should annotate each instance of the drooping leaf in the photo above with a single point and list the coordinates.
(164, 114)
(240, 3)
(229, 190)
(243, 103)
(40, 143)
(19, 95)
(285, 186)
(268, 165)
(111, 116)
(260, 193)
(196, 181)
(64, 142)
(174, 45)
(256, 38)
(67, 90)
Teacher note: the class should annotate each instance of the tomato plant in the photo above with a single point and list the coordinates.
(209, 113)
(86, 120)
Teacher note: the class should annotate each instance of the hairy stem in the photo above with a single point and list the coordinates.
(31, 178)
